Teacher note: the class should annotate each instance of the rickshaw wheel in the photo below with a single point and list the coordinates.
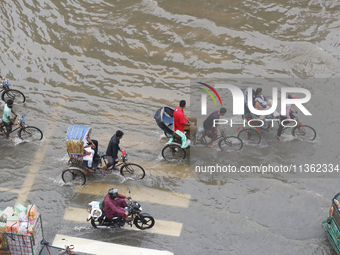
(249, 136)
(73, 177)
(173, 152)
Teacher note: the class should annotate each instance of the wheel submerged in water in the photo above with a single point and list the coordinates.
(73, 177)
(173, 152)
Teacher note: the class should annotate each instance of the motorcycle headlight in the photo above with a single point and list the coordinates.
(140, 208)
(96, 213)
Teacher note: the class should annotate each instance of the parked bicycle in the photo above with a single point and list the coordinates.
(25, 132)
(14, 94)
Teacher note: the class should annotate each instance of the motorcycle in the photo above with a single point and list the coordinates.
(99, 220)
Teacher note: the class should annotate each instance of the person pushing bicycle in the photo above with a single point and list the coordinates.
(7, 120)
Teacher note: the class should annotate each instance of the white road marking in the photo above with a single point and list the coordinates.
(102, 248)
(10, 190)
(149, 195)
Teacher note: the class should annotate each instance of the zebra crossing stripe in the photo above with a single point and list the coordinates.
(89, 246)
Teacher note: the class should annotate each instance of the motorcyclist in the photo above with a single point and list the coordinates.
(114, 204)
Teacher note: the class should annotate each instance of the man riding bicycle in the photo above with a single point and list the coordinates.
(114, 204)
(7, 120)
(112, 152)
(209, 129)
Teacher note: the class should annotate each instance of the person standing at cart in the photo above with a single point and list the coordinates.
(183, 123)
(112, 152)
(7, 120)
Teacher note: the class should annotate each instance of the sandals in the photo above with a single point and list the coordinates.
(212, 147)
(8, 140)
(102, 172)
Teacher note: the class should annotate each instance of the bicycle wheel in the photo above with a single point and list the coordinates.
(230, 143)
(73, 177)
(173, 152)
(30, 133)
(305, 133)
(249, 136)
(13, 94)
(132, 171)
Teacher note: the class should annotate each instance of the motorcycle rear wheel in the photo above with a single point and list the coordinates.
(144, 222)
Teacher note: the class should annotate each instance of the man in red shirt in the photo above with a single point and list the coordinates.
(183, 123)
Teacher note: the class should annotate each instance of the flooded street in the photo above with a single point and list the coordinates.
(113, 64)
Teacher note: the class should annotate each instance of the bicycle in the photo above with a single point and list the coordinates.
(76, 172)
(67, 251)
(174, 152)
(226, 142)
(128, 170)
(25, 132)
(7, 93)
(301, 131)
(249, 135)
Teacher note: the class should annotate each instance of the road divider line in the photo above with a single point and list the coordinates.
(10, 190)
(89, 246)
(149, 195)
(40, 154)
(163, 227)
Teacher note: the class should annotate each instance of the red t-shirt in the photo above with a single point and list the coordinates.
(179, 118)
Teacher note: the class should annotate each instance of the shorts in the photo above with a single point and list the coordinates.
(110, 161)
(8, 126)
(211, 134)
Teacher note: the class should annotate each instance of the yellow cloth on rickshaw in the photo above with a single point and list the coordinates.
(75, 149)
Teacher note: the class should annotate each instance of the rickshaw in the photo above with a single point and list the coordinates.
(76, 172)
(175, 150)
(332, 225)
(251, 134)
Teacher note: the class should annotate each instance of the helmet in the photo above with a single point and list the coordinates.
(113, 193)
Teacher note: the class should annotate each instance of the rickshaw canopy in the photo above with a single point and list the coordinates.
(164, 117)
(78, 132)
